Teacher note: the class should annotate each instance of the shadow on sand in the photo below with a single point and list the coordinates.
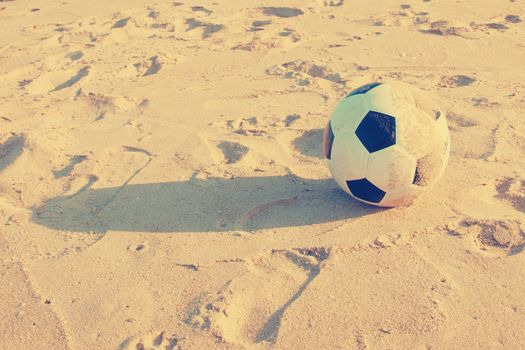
(210, 205)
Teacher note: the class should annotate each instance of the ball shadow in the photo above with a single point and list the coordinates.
(196, 205)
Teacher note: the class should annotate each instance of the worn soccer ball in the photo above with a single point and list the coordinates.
(386, 143)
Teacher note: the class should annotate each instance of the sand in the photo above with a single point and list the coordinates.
(162, 184)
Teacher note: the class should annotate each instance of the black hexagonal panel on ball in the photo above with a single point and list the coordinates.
(365, 190)
(363, 89)
(377, 131)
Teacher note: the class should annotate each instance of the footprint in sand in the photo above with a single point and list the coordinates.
(10, 150)
(258, 25)
(306, 72)
(101, 103)
(244, 126)
(76, 55)
(500, 24)
(512, 191)
(457, 120)
(284, 12)
(201, 9)
(73, 80)
(150, 341)
(514, 19)
(248, 310)
(144, 68)
(121, 23)
(497, 26)
(314, 70)
(56, 81)
(507, 235)
(153, 66)
(482, 102)
(333, 3)
(404, 18)
(291, 119)
(153, 14)
(309, 143)
(290, 33)
(208, 29)
(257, 44)
(270, 37)
(233, 151)
(504, 199)
(443, 28)
(456, 81)
(139, 247)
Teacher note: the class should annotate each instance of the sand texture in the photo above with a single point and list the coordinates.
(162, 181)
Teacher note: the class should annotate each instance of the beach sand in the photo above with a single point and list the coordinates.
(162, 184)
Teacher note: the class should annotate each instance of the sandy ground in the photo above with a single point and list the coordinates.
(162, 183)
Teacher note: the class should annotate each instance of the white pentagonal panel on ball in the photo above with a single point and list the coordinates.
(432, 166)
(442, 130)
(389, 98)
(401, 197)
(349, 157)
(426, 103)
(416, 131)
(391, 169)
(444, 136)
(340, 180)
(348, 114)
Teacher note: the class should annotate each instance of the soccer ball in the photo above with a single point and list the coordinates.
(386, 143)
